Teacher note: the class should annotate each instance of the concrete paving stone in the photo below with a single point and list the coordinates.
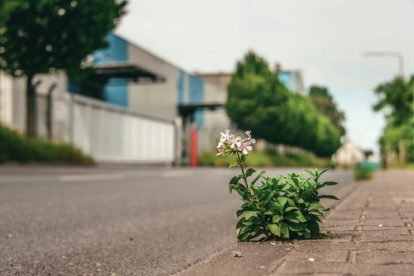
(335, 228)
(381, 214)
(393, 246)
(381, 228)
(256, 259)
(348, 215)
(376, 236)
(306, 246)
(383, 222)
(339, 222)
(295, 266)
(334, 256)
(395, 231)
(374, 269)
(384, 257)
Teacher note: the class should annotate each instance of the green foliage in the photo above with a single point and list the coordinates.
(258, 101)
(362, 172)
(40, 36)
(15, 147)
(324, 103)
(396, 100)
(268, 159)
(286, 207)
(48, 35)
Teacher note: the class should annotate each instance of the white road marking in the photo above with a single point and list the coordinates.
(91, 177)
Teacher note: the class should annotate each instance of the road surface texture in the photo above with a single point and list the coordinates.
(116, 220)
(373, 229)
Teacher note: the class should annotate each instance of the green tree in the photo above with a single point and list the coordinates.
(396, 101)
(258, 101)
(324, 103)
(44, 36)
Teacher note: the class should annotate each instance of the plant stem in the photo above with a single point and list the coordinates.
(239, 161)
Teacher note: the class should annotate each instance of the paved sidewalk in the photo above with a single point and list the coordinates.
(373, 235)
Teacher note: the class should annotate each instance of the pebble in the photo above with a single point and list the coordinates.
(237, 254)
(380, 225)
(311, 259)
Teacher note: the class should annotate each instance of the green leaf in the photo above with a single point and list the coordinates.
(296, 217)
(309, 172)
(323, 171)
(329, 183)
(297, 227)
(276, 218)
(286, 187)
(291, 208)
(328, 196)
(235, 179)
(274, 229)
(239, 188)
(233, 164)
(284, 230)
(248, 214)
(249, 172)
(258, 177)
(314, 228)
(282, 201)
(316, 206)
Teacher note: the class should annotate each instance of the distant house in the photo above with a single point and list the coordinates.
(348, 154)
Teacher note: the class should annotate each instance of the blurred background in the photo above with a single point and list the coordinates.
(135, 94)
(153, 82)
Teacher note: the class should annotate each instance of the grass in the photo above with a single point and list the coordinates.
(18, 148)
(268, 159)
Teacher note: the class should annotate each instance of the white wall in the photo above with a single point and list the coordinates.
(6, 100)
(109, 133)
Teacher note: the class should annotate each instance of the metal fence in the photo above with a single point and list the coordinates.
(109, 133)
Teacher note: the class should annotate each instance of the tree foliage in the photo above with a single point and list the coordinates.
(48, 35)
(258, 101)
(324, 103)
(396, 100)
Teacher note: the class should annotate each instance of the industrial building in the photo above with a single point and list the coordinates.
(138, 107)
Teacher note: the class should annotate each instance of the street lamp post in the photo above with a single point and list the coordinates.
(400, 60)
(395, 55)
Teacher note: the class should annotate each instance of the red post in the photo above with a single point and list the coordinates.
(194, 157)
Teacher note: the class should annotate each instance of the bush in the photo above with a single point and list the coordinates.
(362, 172)
(286, 207)
(258, 100)
(15, 147)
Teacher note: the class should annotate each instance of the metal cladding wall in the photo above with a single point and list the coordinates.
(113, 134)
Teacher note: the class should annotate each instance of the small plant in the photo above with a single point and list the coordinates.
(284, 207)
(362, 173)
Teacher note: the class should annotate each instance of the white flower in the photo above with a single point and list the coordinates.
(225, 136)
(231, 144)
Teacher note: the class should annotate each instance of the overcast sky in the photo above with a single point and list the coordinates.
(323, 38)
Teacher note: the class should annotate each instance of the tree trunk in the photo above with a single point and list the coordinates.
(31, 111)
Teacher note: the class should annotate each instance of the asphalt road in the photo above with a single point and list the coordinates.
(116, 220)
